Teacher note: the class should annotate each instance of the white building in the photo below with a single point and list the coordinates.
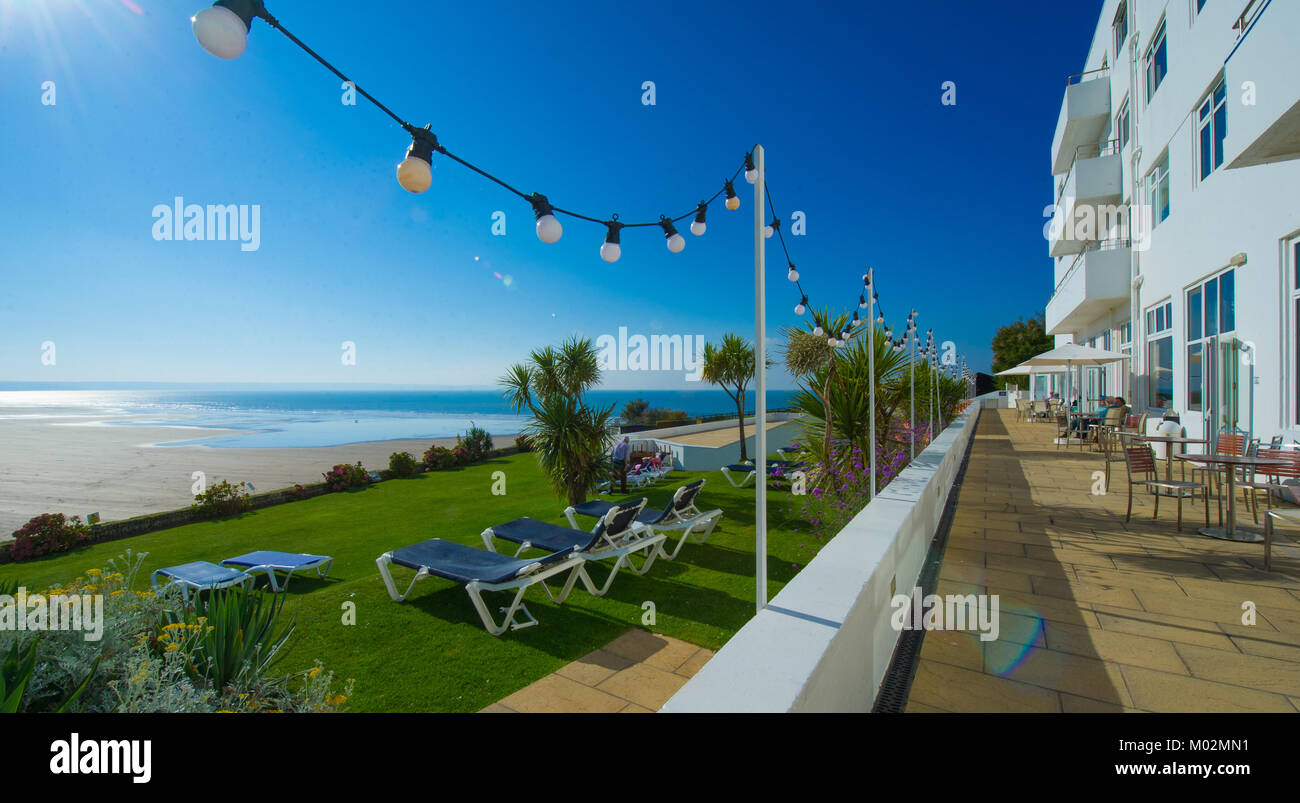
(1185, 118)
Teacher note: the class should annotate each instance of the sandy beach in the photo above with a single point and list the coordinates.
(57, 466)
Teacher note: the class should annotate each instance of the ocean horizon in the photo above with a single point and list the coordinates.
(287, 416)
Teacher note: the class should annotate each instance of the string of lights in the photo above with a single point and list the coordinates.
(223, 31)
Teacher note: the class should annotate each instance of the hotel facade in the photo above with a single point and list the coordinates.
(1175, 223)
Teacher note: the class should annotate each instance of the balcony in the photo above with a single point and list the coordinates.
(1093, 182)
(1269, 129)
(1085, 113)
(1096, 282)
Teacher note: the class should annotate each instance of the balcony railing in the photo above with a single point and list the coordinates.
(1091, 151)
(1247, 17)
(1103, 245)
(1080, 77)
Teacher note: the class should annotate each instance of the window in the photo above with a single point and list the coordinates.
(1159, 183)
(1157, 62)
(1125, 333)
(1121, 124)
(1105, 340)
(1211, 312)
(1120, 26)
(1212, 121)
(1199, 4)
(1160, 354)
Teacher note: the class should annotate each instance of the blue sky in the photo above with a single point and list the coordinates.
(944, 201)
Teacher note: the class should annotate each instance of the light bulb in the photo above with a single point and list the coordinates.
(819, 331)
(733, 201)
(549, 229)
(832, 342)
(793, 275)
(801, 306)
(862, 302)
(751, 172)
(221, 32)
(610, 250)
(767, 232)
(414, 174)
(698, 225)
(751, 176)
(676, 243)
(697, 228)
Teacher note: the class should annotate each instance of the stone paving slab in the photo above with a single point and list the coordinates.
(635, 673)
(1100, 614)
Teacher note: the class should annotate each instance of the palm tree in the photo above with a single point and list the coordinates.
(807, 354)
(568, 436)
(731, 367)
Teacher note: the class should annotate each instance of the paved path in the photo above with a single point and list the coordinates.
(635, 673)
(1097, 614)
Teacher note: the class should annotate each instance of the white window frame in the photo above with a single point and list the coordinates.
(1148, 60)
(1199, 124)
(1157, 196)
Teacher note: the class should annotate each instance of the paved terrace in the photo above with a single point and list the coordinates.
(1096, 614)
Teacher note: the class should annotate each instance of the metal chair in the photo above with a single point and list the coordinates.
(1274, 478)
(1141, 464)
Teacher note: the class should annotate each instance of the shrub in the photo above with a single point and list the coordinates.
(47, 534)
(522, 444)
(438, 458)
(402, 464)
(222, 499)
(298, 492)
(344, 477)
(460, 456)
(476, 442)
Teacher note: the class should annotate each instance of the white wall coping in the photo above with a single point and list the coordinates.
(824, 641)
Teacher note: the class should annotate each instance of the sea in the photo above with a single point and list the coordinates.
(281, 417)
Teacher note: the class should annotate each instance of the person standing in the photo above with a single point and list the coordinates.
(621, 450)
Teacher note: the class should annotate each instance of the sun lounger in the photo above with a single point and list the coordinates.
(287, 562)
(199, 576)
(614, 536)
(680, 514)
(747, 472)
(479, 571)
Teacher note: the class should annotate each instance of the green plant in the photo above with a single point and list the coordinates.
(522, 444)
(438, 458)
(476, 442)
(47, 534)
(222, 499)
(403, 464)
(344, 477)
(567, 434)
(15, 674)
(230, 636)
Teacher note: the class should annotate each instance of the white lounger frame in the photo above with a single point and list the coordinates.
(530, 575)
(749, 475)
(620, 548)
(322, 565)
(187, 585)
(697, 528)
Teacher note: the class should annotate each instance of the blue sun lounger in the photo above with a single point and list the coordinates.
(481, 571)
(287, 562)
(614, 536)
(200, 576)
(738, 468)
(680, 514)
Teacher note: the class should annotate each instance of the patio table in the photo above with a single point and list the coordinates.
(1231, 462)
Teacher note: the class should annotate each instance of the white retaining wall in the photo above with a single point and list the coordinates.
(825, 641)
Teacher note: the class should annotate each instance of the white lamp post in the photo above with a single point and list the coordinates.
(760, 384)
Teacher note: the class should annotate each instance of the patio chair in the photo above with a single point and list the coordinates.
(680, 514)
(614, 536)
(1062, 429)
(1039, 411)
(1113, 420)
(287, 562)
(1232, 442)
(1111, 442)
(479, 570)
(1274, 478)
(1141, 464)
(1289, 516)
(199, 576)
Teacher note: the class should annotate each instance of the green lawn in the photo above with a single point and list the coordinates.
(431, 653)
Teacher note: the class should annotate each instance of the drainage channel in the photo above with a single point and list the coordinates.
(897, 683)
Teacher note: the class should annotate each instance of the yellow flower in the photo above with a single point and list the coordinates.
(172, 647)
(94, 572)
(337, 700)
(313, 672)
